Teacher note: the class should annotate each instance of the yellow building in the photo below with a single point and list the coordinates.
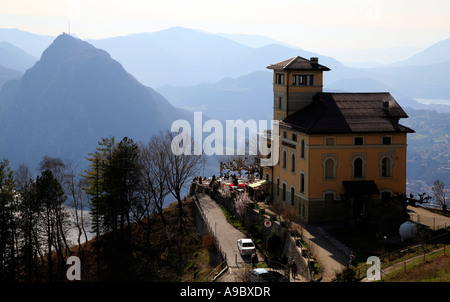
(342, 155)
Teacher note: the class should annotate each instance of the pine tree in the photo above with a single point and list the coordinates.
(28, 216)
(97, 189)
(122, 173)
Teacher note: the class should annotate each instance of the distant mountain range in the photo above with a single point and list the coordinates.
(435, 54)
(15, 58)
(180, 56)
(84, 91)
(71, 98)
(254, 41)
(31, 43)
(185, 57)
(246, 97)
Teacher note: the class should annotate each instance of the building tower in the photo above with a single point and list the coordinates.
(295, 82)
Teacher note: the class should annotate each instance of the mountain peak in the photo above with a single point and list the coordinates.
(72, 97)
(66, 45)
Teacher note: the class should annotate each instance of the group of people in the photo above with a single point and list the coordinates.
(227, 176)
(199, 179)
(257, 194)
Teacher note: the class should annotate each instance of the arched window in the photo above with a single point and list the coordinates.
(386, 170)
(329, 197)
(293, 163)
(302, 149)
(358, 168)
(284, 159)
(292, 195)
(278, 187)
(302, 182)
(329, 169)
(284, 192)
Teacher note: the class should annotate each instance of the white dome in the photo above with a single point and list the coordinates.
(407, 230)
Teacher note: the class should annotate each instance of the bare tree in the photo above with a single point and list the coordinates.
(67, 176)
(153, 179)
(248, 162)
(73, 185)
(439, 194)
(54, 164)
(180, 167)
(22, 175)
(289, 215)
(238, 163)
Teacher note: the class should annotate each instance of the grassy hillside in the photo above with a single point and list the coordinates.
(433, 267)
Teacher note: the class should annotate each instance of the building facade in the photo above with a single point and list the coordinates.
(342, 155)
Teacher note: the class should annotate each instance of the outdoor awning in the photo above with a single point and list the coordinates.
(359, 188)
(259, 183)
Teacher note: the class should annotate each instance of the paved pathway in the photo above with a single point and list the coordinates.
(330, 258)
(226, 234)
(433, 220)
(329, 255)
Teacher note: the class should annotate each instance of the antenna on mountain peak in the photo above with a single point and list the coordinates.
(69, 27)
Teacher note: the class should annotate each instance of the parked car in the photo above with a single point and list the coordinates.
(246, 247)
(259, 275)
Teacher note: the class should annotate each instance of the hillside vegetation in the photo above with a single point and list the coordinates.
(171, 257)
(432, 268)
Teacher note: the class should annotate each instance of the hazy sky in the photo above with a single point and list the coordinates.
(309, 24)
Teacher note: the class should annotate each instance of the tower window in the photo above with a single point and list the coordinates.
(302, 80)
(280, 78)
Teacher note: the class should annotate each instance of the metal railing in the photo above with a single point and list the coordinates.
(401, 257)
(429, 221)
